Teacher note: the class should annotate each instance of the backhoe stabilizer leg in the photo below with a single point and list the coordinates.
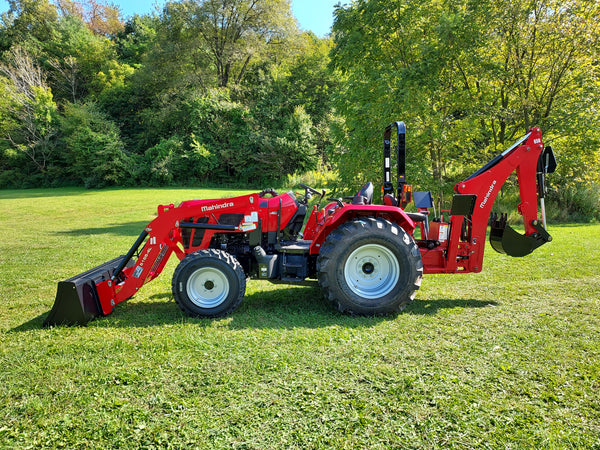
(504, 239)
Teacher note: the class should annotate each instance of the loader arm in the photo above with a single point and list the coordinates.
(97, 291)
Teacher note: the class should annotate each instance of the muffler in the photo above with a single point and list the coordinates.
(77, 301)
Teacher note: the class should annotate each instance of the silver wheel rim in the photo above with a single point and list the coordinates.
(371, 271)
(207, 287)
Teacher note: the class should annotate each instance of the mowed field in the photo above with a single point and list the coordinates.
(508, 358)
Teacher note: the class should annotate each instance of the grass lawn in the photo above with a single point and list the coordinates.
(508, 358)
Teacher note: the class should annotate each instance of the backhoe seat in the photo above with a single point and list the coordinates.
(364, 196)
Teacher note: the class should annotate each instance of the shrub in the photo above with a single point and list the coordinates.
(173, 161)
(93, 150)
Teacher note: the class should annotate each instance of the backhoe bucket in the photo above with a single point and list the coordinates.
(504, 239)
(77, 300)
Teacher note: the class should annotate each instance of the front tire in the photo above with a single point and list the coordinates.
(208, 283)
(369, 267)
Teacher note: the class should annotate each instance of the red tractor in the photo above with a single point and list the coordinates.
(368, 259)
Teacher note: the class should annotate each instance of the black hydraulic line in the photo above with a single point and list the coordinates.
(208, 226)
(129, 255)
(498, 158)
(279, 222)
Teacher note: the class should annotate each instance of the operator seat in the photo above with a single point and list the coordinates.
(364, 196)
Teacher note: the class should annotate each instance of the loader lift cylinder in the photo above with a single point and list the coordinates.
(129, 255)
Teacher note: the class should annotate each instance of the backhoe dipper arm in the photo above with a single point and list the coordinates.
(523, 158)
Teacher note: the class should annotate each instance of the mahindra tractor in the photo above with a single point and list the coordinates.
(368, 258)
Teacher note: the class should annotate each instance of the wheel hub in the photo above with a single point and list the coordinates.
(207, 287)
(371, 271)
(368, 268)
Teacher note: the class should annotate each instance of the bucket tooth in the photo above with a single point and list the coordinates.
(77, 301)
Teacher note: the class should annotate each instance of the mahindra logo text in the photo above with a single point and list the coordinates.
(219, 206)
(487, 196)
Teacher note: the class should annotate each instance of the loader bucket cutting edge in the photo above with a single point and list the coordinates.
(77, 300)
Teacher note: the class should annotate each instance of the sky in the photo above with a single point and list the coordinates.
(312, 15)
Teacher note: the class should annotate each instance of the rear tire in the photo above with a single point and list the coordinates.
(369, 267)
(208, 283)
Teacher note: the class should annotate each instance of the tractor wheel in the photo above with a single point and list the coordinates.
(369, 267)
(209, 283)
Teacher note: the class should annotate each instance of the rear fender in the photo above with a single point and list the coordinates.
(332, 216)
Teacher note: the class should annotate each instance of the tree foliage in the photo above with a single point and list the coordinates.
(92, 150)
(205, 90)
(30, 104)
(468, 78)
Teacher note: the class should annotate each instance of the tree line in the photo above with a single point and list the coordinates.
(233, 91)
(201, 91)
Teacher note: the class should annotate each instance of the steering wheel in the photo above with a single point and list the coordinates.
(309, 189)
(272, 192)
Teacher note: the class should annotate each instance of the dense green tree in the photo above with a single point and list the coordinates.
(136, 39)
(30, 103)
(210, 43)
(404, 61)
(100, 17)
(92, 148)
(547, 75)
(81, 62)
(234, 32)
(467, 77)
(28, 23)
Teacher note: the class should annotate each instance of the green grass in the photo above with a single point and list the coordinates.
(508, 358)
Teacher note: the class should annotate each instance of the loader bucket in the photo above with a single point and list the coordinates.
(504, 239)
(77, 300)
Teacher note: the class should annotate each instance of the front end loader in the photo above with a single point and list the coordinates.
(368, 259)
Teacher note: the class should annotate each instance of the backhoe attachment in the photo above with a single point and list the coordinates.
(503, 238)
(531, 162)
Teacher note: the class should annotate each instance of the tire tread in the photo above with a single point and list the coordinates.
(343, 236)
(193, 258)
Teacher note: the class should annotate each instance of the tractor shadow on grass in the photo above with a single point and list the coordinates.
(281, 307)
(120, 229)
(432, 307)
